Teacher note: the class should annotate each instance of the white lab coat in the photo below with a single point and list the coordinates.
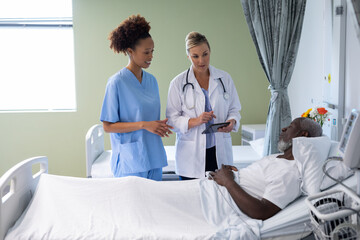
(190, 143)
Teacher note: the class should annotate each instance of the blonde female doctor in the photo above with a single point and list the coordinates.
(198, 97)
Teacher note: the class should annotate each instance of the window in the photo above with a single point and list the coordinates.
(37, 56)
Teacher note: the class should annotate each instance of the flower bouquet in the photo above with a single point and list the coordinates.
(317, 114)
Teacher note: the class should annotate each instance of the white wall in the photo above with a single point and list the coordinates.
(306, 86)
(352, 70)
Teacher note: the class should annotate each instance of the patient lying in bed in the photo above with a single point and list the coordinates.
(268, 185)
(136, 208)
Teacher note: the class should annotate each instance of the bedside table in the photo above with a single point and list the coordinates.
(250, 132)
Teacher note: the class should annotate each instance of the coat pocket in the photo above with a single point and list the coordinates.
(186, 157)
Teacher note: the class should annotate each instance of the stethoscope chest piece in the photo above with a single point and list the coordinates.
(226, 96)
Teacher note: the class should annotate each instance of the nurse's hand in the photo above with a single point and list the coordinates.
(224, 176)
(229, 127)
(158, 127)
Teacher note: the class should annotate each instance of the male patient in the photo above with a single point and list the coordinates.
(271, 183)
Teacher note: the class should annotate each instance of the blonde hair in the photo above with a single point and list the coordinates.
(194, 39)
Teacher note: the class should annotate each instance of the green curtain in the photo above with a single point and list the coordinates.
(275, 27)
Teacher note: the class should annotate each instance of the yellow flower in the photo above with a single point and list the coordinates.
(306, 114)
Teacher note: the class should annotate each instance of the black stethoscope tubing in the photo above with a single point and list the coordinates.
(192, 85)
(187, 81)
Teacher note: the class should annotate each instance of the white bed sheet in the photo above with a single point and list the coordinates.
(109, 208)
(101, 166)
(94, 209)
(242, 155)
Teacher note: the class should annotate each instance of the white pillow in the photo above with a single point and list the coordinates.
(258, 146)
(336, 169)
(310, 154)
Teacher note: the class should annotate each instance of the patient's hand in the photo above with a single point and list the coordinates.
(233, 168)
(223, 176)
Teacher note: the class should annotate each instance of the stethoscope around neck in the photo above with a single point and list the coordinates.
(225, 94)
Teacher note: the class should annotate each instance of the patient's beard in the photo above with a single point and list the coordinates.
(283, 146)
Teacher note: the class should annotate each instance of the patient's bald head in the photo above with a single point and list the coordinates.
(299, 127)
(313, 128)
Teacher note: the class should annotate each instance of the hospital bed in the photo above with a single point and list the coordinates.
(18, 185)
(98, 159)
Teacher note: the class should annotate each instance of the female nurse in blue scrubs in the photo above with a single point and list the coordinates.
(131, 107)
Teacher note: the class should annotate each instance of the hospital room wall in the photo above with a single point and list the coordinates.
(306, 87)
(61, 135)
(352, 70)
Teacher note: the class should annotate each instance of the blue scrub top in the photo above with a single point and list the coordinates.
(128, 100)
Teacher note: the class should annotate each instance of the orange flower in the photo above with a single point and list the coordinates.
(322, 111)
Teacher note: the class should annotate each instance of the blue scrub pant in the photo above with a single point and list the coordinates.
(154, 174)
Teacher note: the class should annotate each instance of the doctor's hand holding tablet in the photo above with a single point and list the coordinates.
(199, 100)
(131, 107)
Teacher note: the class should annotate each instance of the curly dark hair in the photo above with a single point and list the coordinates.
(128, 33)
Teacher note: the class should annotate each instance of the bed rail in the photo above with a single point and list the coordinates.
(94, 144)
(17, 186)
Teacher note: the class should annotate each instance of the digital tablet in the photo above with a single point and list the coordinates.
(213, 128)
